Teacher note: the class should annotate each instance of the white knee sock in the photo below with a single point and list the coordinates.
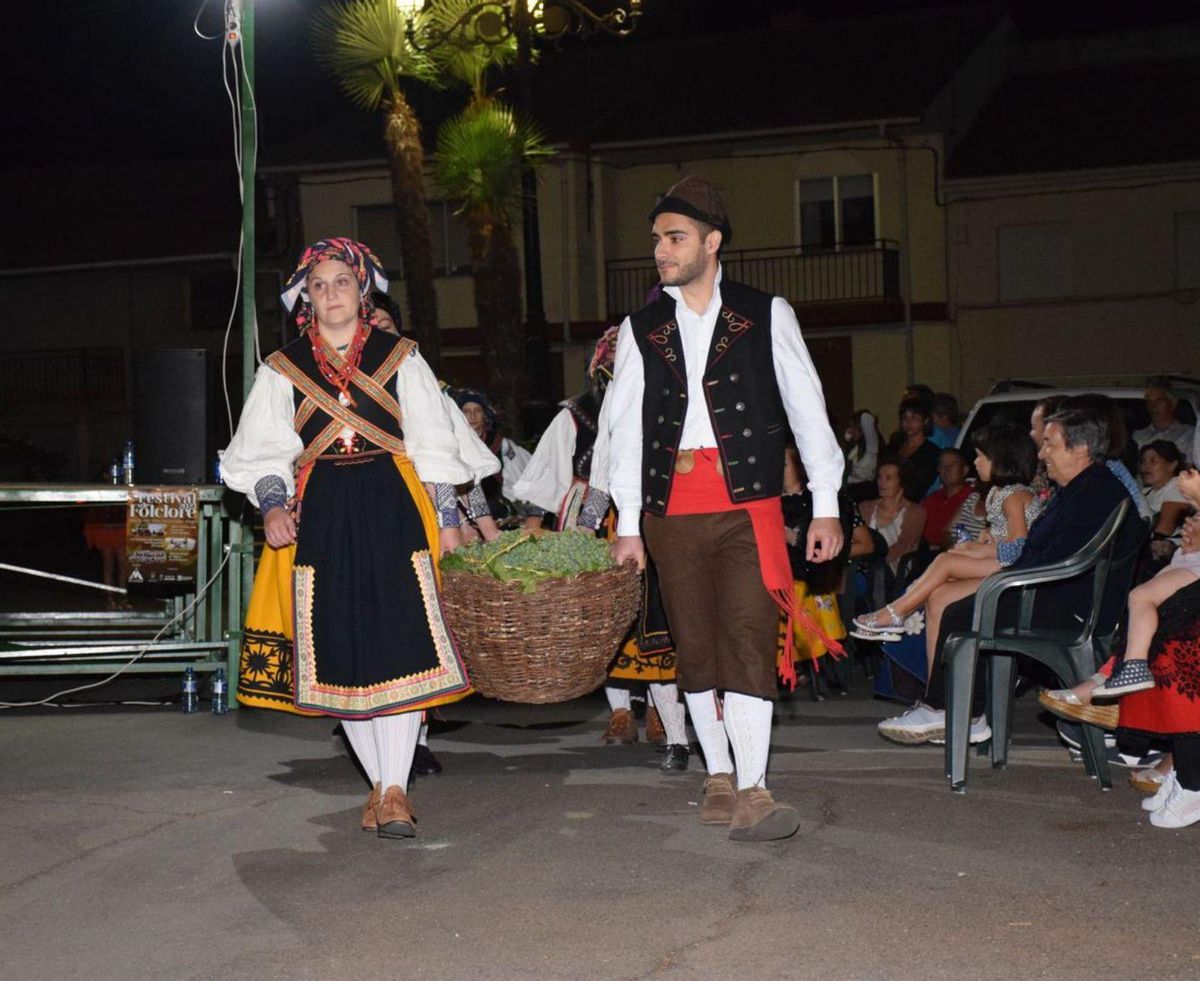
(702, 706)
(361, 736)
(618, 698)
(671, 711)
(396, 737)
(423, 735)
(748, 722)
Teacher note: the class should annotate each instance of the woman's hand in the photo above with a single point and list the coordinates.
(280, 528)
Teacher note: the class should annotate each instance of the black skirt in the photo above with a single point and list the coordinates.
(370, 638)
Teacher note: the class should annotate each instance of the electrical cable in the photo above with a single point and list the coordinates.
(200, 594)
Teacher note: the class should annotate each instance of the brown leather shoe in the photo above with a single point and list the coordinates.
(719, 799)
(622, 728)
(655, 733)
(759, 817)
(369, 823)
(395, 816)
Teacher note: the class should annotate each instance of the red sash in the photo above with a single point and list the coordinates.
(702, 491)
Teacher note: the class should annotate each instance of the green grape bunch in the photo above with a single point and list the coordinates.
(518, 556)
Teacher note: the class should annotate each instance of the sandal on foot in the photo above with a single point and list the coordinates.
(873, 623)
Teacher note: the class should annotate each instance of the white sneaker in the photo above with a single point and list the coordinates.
(920, 724)
(1159, 798)
(981, 732)
(1181, 809)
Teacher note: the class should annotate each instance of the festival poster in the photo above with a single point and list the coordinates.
(162, 534)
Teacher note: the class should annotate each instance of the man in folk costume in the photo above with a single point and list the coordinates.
(339, 432)
(568, 477)
(707, 381)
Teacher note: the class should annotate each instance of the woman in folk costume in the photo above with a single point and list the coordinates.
(495, 497)
(337, 435)
(568, 477)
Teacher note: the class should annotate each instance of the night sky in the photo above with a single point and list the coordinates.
(114, 81)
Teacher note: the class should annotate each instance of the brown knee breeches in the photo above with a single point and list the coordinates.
(724, 622)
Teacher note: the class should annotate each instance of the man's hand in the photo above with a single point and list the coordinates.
(824, 539)
(628, 548)
(280, 528)
(532, 522)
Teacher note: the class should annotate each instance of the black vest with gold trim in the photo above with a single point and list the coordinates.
(741, 395)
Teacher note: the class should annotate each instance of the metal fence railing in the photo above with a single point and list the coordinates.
(861, 272)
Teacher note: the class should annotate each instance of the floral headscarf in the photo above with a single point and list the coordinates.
(360, 259)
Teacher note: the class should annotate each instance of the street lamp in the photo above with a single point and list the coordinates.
(493, 23)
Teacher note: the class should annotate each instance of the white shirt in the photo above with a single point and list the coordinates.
(1182, 436)
(549, 473)
(1167, 493)
(266, 442)
(514, 458)
(799, 388)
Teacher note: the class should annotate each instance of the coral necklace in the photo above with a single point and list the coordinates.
(339, 377)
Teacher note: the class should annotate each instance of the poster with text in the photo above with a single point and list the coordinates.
(162, 534)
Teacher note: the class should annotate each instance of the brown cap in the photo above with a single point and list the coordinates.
(698, 199)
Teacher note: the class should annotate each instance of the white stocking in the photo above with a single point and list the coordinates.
(618, 698)
(396, 736)
(748, 722)
(714, 743)
(671, 711)
(361, 737)
(423, 735)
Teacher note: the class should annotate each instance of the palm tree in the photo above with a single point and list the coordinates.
(478, 163)
(480, 156)
(363, 44)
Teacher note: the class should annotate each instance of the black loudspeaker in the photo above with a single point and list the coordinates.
(174, 432)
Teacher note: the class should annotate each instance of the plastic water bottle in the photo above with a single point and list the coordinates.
(220, 703)
(113, 473)
(191, 700)
(127, 463)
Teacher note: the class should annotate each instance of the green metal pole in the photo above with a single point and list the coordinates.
(249, 154)
(239, 576)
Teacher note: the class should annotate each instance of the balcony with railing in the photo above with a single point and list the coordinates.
(859, 274)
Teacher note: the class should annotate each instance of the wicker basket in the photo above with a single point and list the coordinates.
(551, 645)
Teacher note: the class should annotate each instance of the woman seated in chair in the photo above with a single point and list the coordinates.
(1006, 458)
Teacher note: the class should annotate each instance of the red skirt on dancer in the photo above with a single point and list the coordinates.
(1172, 706)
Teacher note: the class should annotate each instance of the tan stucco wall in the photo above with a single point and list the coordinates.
(1124, 318)
(760, 198)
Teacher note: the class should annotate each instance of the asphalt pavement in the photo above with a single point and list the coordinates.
(143, 843)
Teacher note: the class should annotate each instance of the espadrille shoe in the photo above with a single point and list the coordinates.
(1066, 705)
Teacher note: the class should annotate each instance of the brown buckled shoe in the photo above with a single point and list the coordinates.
(759, 817)
(720, 799)
(369, 822)
(394, 815)
(622, 728)
(655, 733)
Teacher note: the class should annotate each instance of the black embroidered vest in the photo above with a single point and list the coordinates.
(378, 348)
(741, 395)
